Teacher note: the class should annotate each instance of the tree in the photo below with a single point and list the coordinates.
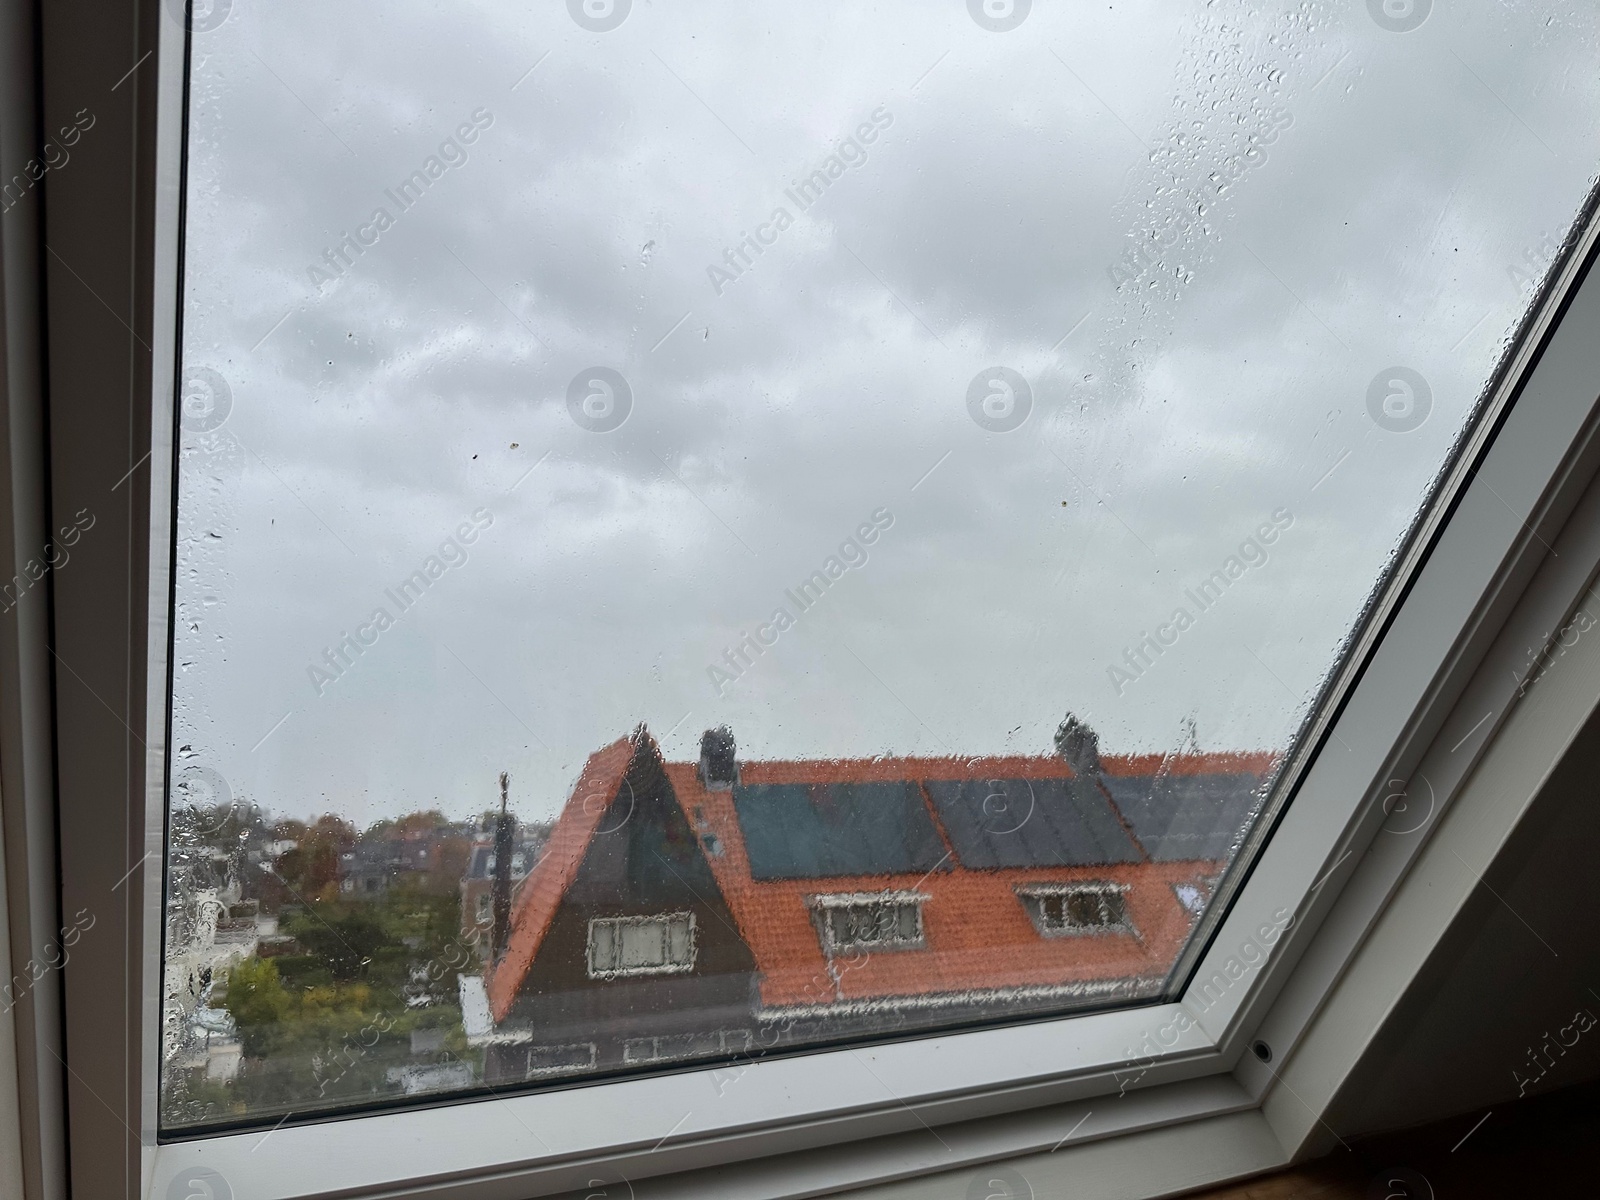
(344, 939)
(421, 822)
(412, 822)
(326, 1027)
(259, 1004)
(311, 869)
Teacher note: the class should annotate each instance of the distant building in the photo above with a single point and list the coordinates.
(709, 909)
(428, 860)
(366, 869)
(419, 1079)
(278, 946)
(477, 885)
(209, 931)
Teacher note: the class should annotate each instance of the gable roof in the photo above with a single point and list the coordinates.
(480, 866)
(962, 834)
(978, 937)
(596, 787)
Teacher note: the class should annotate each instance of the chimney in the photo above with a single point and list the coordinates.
(1080, 746)
(502, 874)
(719, 763)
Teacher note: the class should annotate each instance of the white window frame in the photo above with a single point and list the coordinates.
(1175, 1098)
(826, 904)
(534, 1072)
(1202, 897)
(618, 924)
(1032, 895)
(664, 1047)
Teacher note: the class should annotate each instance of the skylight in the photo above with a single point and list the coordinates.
(715, 456)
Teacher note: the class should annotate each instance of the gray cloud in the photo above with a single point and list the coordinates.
(828, 380)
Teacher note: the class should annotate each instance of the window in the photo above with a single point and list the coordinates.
(485, 388)
(688, 1045)
(620, 946)
(891, 921)
(1064, 909)
(1192, 896)
(560, 1060)
(1034, 556)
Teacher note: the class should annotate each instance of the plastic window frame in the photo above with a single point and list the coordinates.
(618, 923)
(1031, 896)
(825, 904)
(1163, 1070)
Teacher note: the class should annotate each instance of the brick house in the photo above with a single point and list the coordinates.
(477, 884)
(425, 860)
(712, 908)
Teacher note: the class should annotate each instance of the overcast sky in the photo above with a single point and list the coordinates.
(1330, 199)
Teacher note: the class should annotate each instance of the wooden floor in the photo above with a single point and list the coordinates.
(1311, 1184)
(1547, 1147)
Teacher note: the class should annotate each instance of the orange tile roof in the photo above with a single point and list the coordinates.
(977, 935)
(547, 883)
(1226, 762)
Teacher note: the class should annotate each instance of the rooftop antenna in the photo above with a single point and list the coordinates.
(1191, 735)
(502, 874)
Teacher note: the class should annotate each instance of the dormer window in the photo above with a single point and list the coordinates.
(643, 945)
(870, 921)
(1192, 896)
(1070, 909)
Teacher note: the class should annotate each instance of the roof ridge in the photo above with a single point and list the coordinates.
(761, 925)
(602, 776)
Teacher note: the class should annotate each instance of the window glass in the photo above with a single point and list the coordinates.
(882, 922)
(643, 468)
(641, 945)
(1087, 908)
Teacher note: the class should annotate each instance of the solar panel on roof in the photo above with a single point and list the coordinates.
(1029, 823)
(1180, 817)
(809, 831)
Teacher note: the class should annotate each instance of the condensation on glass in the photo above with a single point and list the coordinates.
(707, 530)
